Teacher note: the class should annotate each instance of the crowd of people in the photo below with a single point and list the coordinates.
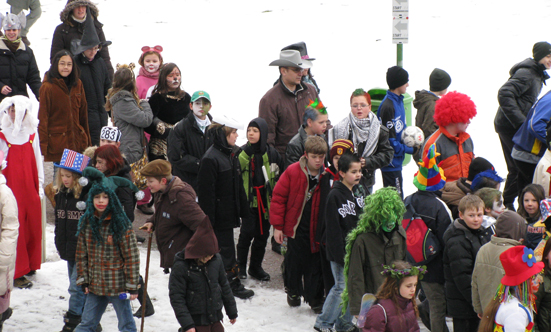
(307, 182)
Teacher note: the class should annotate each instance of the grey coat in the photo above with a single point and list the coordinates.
(131, 120)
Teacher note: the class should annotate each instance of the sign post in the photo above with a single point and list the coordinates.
(400, 22)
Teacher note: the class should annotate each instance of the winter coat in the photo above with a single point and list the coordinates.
(9, 231)
(186, 146)
(542, 174)
(370, 251)
(456, 153)
(283, 110)
(63, 116)
(530, 139)
(295, 148)
(167, 110)
(18, 69)
(425, 102)
(177, 216)
(518, 94)
(221, 193)
(67, 216)
(125, 194)
(453, 192)
(290, 197)
(392, 114)
(436, 215)
(512, 316)
(543, 303)
(70, 29)
(488, 271)
(108, 268)
(198, 292)
(462, 245)
(143, 83)
(96, 82)
(342, 211)
(535, 231)
(385, 317)
(131, 119)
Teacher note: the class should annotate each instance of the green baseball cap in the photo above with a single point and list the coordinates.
(200, 94)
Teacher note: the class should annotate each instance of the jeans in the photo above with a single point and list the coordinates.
(95, 307)
(437, 305)
(332, 310)
(77, 298)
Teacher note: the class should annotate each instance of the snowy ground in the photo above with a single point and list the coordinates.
(224, 47)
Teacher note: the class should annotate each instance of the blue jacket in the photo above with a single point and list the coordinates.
(530, 139)
(392, 115)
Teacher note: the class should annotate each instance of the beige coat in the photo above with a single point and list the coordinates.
(9, 225)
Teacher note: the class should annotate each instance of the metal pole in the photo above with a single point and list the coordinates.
(399, 55)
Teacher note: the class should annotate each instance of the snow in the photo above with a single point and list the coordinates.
(224, 47)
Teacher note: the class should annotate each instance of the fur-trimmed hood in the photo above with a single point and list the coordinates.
(65, 14)
(27, 124)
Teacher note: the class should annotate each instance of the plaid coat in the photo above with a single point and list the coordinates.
(108, 268)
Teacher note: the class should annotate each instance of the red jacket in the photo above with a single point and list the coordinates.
(456, 153)
(289, 198)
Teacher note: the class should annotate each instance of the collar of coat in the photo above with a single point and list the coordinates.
(3, 46)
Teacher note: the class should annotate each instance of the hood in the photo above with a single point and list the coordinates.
(203, 242)
(422, 97)
(263, 127)
(65, 14)
(220, 141)
(120, 95)
(26, 120)
(510, 225)
(528, 63)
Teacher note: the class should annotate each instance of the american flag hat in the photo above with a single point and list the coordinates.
(73, 161)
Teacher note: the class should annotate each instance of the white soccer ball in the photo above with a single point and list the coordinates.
(413, 136)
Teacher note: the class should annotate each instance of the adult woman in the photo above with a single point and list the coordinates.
(370, 138)
(17, 63)
(169, 104)
(73, 17)
(63, 112)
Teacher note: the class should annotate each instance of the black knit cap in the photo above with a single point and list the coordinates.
(541, 50)
(396, 77)
(439, 80)
(478, 165)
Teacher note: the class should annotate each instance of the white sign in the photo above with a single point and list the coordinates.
(400, 5)
(400, 24)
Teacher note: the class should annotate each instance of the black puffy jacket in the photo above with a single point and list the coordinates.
(125, 194)
(186, 146)
(198, 293)
(518, 94)
(96, 83)
(462, 245)
(19, 69)
(66, 224)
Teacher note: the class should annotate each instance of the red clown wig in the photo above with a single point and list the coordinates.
(454, 107)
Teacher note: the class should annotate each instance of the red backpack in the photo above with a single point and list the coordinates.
(422, 244)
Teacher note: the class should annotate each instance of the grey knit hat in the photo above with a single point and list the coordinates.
(439, 80)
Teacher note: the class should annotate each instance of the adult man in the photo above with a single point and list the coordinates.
(283, 105)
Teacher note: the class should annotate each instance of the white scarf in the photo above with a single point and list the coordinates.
(363, 130)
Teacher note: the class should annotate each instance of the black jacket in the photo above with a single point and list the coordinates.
(462, 245)
(19, 69)
(96, 83)
(220, 185)
(186, 146)
(167, 110)
(66, 224)
(518, 94)
(381, 157)
(342, 211)
(198, 293)
(295, 148)
(125, 194)
(436, 215)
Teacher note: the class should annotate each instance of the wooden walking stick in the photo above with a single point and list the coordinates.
(144, 304)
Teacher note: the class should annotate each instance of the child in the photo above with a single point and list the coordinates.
(150, 61)
(68, 195)
(378, 240)
(391, 113)
(462, 241)
(9, 226)
(189, 139)
(222, 195)
(513, 307)
(294, 214)
(425, 101)
(169, 104)
(110, 135)
(341, 212)
(314, 122)
(453, 114)
(338, 148)
(107, 255)
(529, 208)
(493, 206)
(260, 167)
(25, 176)
(395, 309)
(198, 287)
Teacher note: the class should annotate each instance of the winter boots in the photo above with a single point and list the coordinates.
(239, 290)
(242, 273)
(255, 269)
(5, 315)
(22, 283)
(149, 310)
(72, 321)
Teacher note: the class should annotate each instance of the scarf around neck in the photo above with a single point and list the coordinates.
(363, 130)
(147, 74)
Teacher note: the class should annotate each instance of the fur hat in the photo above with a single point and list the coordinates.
(454, 107)
(25, 118)
(13, 22)
(72, 4)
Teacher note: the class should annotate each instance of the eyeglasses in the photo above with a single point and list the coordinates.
(96, 49)
(296, 70)
(360, 105)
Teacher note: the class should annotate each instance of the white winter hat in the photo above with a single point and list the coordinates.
(228, 122)
(13, 22)
(24, 115)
